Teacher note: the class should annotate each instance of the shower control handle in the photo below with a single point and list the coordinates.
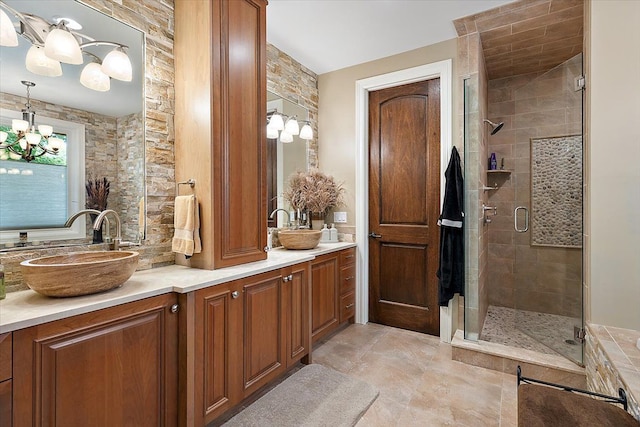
(526, 219)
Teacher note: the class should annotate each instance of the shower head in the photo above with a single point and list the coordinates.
(495, 127)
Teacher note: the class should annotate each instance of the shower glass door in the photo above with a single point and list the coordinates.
(548, 214)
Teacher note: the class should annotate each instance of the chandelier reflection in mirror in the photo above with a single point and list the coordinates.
(31, 144)
(285, 130)
(53, 43)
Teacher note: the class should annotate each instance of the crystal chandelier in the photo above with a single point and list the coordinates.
(29, 143)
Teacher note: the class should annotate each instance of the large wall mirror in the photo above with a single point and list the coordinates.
(283, 158)
(103, 130)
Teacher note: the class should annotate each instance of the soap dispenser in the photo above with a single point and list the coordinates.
(326, 234)
(333, 233)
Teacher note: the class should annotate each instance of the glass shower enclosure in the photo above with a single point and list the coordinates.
(525, 264)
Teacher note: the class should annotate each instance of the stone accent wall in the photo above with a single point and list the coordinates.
(611, 363)
(293, 81)
(130, 168)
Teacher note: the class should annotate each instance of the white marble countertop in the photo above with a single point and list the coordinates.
(28, 308)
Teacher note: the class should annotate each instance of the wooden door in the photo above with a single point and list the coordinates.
(404, 204)
(112, 367)
(297, 308)
(264, 330)
(325, 315)
(217, 352)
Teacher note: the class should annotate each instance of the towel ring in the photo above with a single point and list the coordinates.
(190, 182)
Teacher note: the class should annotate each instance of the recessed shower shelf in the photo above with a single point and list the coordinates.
(499, 171)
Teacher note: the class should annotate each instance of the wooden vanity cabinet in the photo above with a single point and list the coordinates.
(347, 285)
(6, 383)
(333, 283)
(220, 116)
(246, 333)
(324, 295)
(116, 366)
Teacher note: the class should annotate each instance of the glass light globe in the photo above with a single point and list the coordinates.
(18, 125)
(117, 65)
(306, 132)
(93, 77)
(276, 122)
(62, 46)
(45, 130)
(33, 138)
(286, 137)
(8, 35)
(39, 63)
(272, 133)
(292, 126)
(55, 143)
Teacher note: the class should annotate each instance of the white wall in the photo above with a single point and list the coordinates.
(613, 236)
(337, 121)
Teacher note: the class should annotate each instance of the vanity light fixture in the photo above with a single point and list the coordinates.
(53, 43)
(287, 129)
(29, 144)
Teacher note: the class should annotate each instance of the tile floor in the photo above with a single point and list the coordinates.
(419, 384)
(546, 333)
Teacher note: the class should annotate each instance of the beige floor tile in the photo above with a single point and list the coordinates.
(419, 383)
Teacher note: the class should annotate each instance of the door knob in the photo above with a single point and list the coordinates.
(375, 235)
(234, 294)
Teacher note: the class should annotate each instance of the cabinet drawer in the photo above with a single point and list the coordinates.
(347, 306)
(347, 279)
(347, 256)
(5, 356)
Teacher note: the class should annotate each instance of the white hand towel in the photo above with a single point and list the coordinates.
(186, 238)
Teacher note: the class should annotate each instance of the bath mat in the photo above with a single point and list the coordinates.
(313, 396)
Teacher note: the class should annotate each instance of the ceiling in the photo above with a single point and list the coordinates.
(327, 35)
(531, 38)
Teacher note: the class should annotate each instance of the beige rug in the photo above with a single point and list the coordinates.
(313, 396)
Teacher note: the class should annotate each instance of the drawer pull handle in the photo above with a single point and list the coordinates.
(349, 278)
(349, 306)
(234, 294)
(349, 256)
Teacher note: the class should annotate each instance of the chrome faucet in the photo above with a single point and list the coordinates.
(117, 241)
(78, 214)
(271, 215)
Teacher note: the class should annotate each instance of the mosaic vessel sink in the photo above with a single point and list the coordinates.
(79, 273)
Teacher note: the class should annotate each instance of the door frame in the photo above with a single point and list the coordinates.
(442, 70)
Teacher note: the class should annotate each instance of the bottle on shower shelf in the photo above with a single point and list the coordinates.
(493, 162)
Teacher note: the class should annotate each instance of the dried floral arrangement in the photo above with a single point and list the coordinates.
(313, 191)
(97, 193)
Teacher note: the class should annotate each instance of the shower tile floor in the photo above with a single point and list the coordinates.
(550, 331)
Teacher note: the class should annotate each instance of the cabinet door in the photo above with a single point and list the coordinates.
(264, 330)
(239, 113)
(116, 366)
(218, 352)
(5, 403)
(297, 308)
(324, 295)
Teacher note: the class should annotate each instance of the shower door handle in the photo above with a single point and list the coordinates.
(526, 219)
